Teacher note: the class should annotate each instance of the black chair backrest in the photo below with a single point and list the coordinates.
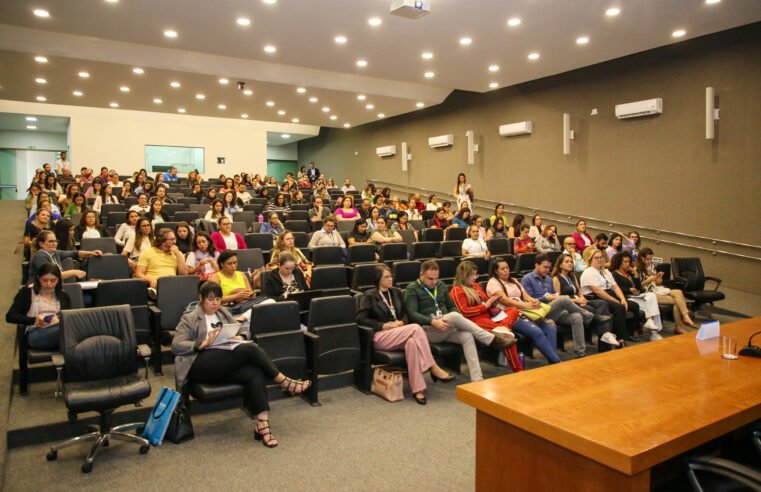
(428, 214)
(300, 239)
(239, 227)
(360, 253)
(172, 208)
(393, 252)
(296, 214)
(108, 267)
(690, 269)
(510, 259)
(525, 262)
(188, 200)
(174, 295)
(327, 255)
(499, 246)
(553, 256)
(105, 244)
(433, 234)
(405, 272)
(130, 201)
(447, 268)
(329, 277)
(456, 234)
(480, 262)
(165, 225)
(331, 310)
(130, 291)
(301, 207)
(98, 343)
(275, 317)
(261, 240)
(363, 277)
(250, 259)
(75, 295)
(666, 269)
(186, 216)
(107, 208)
(247, 217)
(298, 225)
(424, 250)
(448, 249)
(113, 218)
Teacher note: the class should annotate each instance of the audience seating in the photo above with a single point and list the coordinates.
(391, 252)
(301, 240)
(262, 241)
(405, 272)
(456, 234)
(200, 208)
(189, 201)
(239, 228)
(433, 235)
(165, 225)
(447, 269)
(297, 214)
(172, 208)
(173, 296)
(450, 249)
(360, 253)
(327, 255)
(250, 259)
(524, 263)
(105, 244)
(691, 270)
(129, 291)
(331, 280)
(499, 247)
(186, 216)
(112, 218)
(246, 217)
(424, 250)
(363, 277)
(428, 215)
(298, 226)
(107, 208)
(109, 267)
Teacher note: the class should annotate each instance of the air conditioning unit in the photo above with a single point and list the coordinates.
(521, 128)
(410, 9)
(441, 141)
(639, 108)
(386, 151)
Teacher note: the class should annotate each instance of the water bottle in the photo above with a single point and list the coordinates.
(261, 218)
(522, 359)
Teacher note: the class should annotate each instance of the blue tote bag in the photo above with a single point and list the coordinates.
(161, 414)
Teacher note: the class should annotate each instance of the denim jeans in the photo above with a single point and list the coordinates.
(43, 338)
(542, 334)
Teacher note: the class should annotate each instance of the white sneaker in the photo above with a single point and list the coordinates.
(649, 325)
(610, 339)
(655, 336)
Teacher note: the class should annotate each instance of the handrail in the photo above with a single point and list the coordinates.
(609, 222)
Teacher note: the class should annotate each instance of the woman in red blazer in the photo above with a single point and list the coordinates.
(582, 237)
(472, 302)
(225, 238)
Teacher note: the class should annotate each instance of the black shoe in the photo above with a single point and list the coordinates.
(633, 338)
(445, 379)
(420, 401)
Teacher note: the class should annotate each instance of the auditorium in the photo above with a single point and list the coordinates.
(440, 245)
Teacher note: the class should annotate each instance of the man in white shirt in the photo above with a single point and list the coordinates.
(62, 163)
(243, 194)
(142, 206)
(327, 236)
(347, 187)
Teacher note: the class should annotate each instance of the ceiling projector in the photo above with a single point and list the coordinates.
(410, 9)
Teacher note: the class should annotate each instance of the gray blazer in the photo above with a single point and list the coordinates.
(191, 331)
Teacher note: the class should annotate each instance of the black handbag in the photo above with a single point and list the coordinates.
(180, 426)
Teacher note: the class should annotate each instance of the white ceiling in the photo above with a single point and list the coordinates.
(108, 39)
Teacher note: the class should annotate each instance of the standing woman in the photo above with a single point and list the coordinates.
(383, 310)
(246, 364)
(127, 229)
(202, 261)
(225, 238)
(89, 228)
(463, 192)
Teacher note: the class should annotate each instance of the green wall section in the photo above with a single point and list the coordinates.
(280, 168)
(7, 174)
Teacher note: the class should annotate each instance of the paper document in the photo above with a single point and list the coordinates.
(499, 316)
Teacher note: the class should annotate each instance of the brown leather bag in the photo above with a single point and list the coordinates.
(387, 383)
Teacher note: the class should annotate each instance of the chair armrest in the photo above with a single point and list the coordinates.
(714, 279)
(311, 346)
(745, 475)
(154, 313)
(58, 361)
(144, 352)
(675, 284)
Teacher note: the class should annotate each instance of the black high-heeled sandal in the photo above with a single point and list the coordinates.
(294, 386)
(264, 434)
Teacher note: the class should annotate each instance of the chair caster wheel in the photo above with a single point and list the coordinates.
(87, 468)
(52, 455)
(144, 449)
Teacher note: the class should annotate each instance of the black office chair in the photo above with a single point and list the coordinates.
(113, 218)
(424, 250)
(186, 216)
(327, 255)
(447, 270)
(450, 249)
(711, 473)
(363, 277)
(331, 279)
(109, 267)
(499, 247)
(105, 244)
(298, 214)
(98, 370)
(691, 270)
(456, 234)
(433, 235)
(524, 263)
(260, 240)
(391, 252)
(247, 217)
(301, 240)
(187, 200)
(250, 259)
(428, 215)
(405, 272)
(107, 208)
(239, 228)
(173, 296)
(173, 208)
(165, 225)
(298, 225)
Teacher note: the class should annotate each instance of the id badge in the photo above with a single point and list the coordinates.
(439, 313)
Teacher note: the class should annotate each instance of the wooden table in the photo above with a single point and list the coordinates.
(602, 422)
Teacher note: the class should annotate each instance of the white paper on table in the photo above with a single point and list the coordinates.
(708, 330)
(499, 316)
(89, 284)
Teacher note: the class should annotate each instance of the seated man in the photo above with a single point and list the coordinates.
(569, 248)
(164, 259)
(142, 207)
(347, 187)
(171, 175)
(539, 285)
(429, 305)
(365, 209)
(243, 195)
(272, 226)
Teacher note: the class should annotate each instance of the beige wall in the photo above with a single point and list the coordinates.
(658, 172)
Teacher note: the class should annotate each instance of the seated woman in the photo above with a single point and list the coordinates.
(225, 238)
(565, 283)
(635, 243)
(374, 214)
(462, 218)
(448, 214)
(210, 197)
(184, 235)
(474, 245)
(89, 228)
(230, 202)
(598, 283)
(64, 233)
(650, 280)
(77, 206)
(126, 192)
(382, 235)
(156, 214)
(33, 228)
(127, 229)
(383, 310)
(106, 196)
(514, 230)
(235, 285)
(413, 211)
(547, 242)
(403, 224)
(512, 294)
(433, 203)
(618, 244)
(278, 205)
(497, 229)
(38, 306)
(43, 202)
(474, 304)
(217, 211)
(286, 243)
(478, 221)
(202, 260)
(46, 246)
(581, 236)
(141, 241)
(536, 227)
(523, 243)
(499, 213)
(272, 226)
(327, 236)
(359, 235)
(247, 364)
(347, 211)
(621, 265)
(286, 280)
(67, 198)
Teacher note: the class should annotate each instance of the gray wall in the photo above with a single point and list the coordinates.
(658, 172)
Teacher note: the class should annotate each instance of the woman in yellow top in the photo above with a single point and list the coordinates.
(286, 243)
(235, 285)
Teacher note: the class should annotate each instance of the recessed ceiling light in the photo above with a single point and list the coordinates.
(514, 21)
(270, 103)
(31, 118)
(41, 13)
(325, 109)
(362, 63)
(678, 33)
(381, 115)
(361, 97)
(281, 112)
(175, 84)
(301, 90)
(112, 1)
(347, 125)
(84, 75)
(465, 41)
(582, 40)
(200, 97)
(157, 100)
(370, 106)
(295, 120)
(269, 2)
(224, 81)
(40, 59)
(533, 56)
(374, 21)
(114, 105)
(429, 75)
(613, 11)
(40, 80)
(313, 99)
(426, 55)
(243, 21)
(180, 110)
(712, 2)
(420, 105)
(41, 98)
(494, 68)
(31, 127)
(340, 39)
(222, 106)
(170, 33)
(78, 93)
(124, 88)
(244, 116)
(493, 85)
(138, 71)
(333, 117)
(248, 92)
(285, 135)
(270, 49)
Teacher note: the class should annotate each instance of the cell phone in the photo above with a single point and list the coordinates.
(49, 318)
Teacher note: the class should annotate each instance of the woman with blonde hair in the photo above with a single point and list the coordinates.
(286, 243)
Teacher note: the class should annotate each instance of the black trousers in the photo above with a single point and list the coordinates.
(621, 329)
(247, 365)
